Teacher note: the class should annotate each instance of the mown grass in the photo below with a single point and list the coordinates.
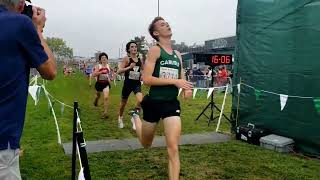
(44, 158)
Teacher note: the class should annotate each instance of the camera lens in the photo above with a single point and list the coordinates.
(28, 11)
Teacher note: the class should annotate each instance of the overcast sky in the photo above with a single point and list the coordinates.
(91, 25)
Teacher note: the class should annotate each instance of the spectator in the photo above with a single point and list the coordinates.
(199, 77)
(209, 77)
(188, 74)
(223, 76)
(22, 47)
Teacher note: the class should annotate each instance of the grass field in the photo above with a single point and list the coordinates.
(43, 157)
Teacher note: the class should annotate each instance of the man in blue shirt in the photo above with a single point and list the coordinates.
(22, 46)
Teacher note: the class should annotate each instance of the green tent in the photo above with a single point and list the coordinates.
(277, 57)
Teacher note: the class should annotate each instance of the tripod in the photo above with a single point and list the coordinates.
(212, 106)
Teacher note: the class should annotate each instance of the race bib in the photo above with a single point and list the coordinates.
(134, 75)
(168, 73)
(103, 77)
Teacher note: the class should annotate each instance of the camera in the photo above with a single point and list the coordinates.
(28, 10)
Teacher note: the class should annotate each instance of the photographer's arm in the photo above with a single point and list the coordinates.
(47, 70)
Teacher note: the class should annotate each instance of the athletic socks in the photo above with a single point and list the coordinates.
(133, 124)
(120, 122)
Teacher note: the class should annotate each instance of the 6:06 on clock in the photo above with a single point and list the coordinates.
(221, 59)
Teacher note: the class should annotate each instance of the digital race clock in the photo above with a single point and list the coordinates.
(213, 59)
(221, 59)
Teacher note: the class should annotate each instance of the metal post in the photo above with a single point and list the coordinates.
(74, 143)
(83, 155)
(158, 7)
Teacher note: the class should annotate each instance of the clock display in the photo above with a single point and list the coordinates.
(213, 59)
(221, 59)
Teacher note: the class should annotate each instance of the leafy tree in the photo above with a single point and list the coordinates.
(142, 45)
(59, 48)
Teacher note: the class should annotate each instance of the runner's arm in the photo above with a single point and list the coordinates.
(142, 63)
(186, 93)
(182, 74)
(142, 67)
(110, 73)
(123, 64)
(96, 71)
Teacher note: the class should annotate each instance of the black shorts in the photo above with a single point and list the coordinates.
(154, 110)
(128, 88)
(100, 86)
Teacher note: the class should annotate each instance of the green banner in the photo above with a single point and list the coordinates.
(274, 40)
(317, 104)
(258, 94)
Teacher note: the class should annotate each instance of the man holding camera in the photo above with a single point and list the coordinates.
(22, 47)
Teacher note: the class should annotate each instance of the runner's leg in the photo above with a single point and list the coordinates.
(172, 128)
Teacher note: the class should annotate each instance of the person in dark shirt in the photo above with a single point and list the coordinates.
(131, 66)
(22, 47)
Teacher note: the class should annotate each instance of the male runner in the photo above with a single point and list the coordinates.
(131, 67)
(163, 72)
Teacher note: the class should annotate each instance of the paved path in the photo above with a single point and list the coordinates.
(159, 141)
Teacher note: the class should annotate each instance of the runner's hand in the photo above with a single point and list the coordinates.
(181, 83)
(99, 72)
(132, 65)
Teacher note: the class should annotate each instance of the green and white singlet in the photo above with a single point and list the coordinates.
(167, 67)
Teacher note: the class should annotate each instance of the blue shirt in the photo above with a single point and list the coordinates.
(20, 50)
(89, 69)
